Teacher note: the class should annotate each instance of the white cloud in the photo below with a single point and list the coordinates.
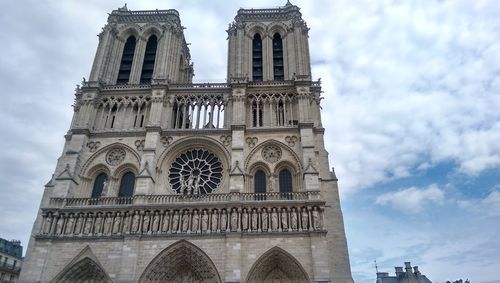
(488, 206)
(412, 200)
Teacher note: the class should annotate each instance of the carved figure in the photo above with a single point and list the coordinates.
(293, 219)
(97, 224)
(223, 221)
(244, 220)
(195, 222)
(166, 220)
(88, 225)
(316, 219)
(255, 220)
(135, 223)
(204, 221)
(284, 219)
(69, 225)
(59, 225)
(274, 220)
(185, 221)
(175, 222)
(104, 191)
(126, 223)
(214, 220)
(116, 223)
(305, 219)
(145, 224)
(156, 223)
(108, 224)
(48, 224)
(234, 220)
(264, 220)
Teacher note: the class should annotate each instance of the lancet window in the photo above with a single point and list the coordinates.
(126, 62)
(259, 182)
(257, 58)
(127, 184)
(149, 60)
(278, 58)
(100, 184)
(285, 180)
(272, 110)
(198, 112)
(128, 112)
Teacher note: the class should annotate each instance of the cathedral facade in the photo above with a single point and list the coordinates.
(165, 180)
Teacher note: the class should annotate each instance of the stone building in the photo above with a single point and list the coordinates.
(409, 275)
(11, 259)
(165, 180)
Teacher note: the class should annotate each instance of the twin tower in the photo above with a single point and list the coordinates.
(165, 180)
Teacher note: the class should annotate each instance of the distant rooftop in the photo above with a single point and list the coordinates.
(409, 275)
(12, 248)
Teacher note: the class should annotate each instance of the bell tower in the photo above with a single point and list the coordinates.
(165, 180)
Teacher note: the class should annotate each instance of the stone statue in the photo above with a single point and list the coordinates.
(69, 225)
(156, 223)
(293, 219)
(316, 219)
(116, 224)
(88, 225)
(166, 220)
(234, 220)
(78, 225)
(223, 220)
(105, 185)
(185, 221)
(255, 220)
(135, 223)
(284, 219)
(97, 225)
(305, 219)
(59, 225)
(274, 220)
(145, 224)
(195, 222)
(204, 221)
(244, 220)
(48, 224)
(108, 224)
(126, 223)
(214, 220)
(265, 220)
(175, 222)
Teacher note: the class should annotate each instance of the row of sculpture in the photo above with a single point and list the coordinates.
(214, 220)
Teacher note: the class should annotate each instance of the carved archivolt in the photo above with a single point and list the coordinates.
(286, 154)
(277, 265)
(85, 268)
(182, 262)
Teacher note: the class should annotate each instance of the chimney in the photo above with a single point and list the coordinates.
(408, 267)
(415, 270)
(399, 271)
(382, 274)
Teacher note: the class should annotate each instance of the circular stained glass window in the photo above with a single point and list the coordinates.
(195, 172)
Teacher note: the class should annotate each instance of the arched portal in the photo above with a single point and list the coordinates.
(277, 266)
(182, 262)
(84, 271)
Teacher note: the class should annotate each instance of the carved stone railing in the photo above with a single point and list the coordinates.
(179, 199)
(253, 217)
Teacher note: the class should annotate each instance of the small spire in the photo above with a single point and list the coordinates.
(124, 8)
(288, 4)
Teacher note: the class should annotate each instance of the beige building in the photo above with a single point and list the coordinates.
(165, 180)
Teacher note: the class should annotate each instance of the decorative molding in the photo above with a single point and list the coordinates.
(139, 144)
(93, 145)
(291, 140)
(115, 156)
(251, 141)
(271, 153)
(226, 140)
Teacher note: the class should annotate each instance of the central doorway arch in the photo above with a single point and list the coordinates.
(182, 262)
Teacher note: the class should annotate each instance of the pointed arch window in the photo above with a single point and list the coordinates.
(278, 58)
(257, 58)
(259, 182)
(149, 59)
(286, 185)
(126, 62)
(257, 114)
(100, 183)
(127, 185)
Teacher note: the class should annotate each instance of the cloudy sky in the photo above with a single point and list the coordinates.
(412, 92)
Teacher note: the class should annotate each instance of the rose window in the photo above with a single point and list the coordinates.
(195, 172)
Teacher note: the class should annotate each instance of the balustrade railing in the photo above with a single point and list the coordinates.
(169, 199)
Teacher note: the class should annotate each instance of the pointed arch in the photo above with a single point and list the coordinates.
(148, 64)
(181, 262)
(126, 61)
(277, 265)
(257, 65)
(84, 268)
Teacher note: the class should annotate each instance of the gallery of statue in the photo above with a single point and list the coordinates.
(165, 180)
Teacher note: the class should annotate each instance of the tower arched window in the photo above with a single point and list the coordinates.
(149, 59)
(126, 62)
(257, 58)
(99, 184)
(259, 182)
(127, 185)
(278, 58)
(286, 185)
(257, 114)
